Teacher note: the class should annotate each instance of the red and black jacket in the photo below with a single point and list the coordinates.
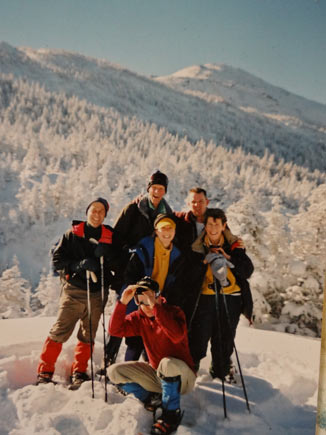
(75, 246)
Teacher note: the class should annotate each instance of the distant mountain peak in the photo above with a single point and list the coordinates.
(212, 101)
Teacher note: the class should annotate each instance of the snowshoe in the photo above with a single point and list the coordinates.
(77, 378)
(167, 423)
(45, 378)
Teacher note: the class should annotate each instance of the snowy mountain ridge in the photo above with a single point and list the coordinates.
(249, 93)
(212, 102)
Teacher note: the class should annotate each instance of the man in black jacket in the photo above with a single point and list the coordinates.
(218, 295)
(190, 224)
(79, 251)
(135, 222)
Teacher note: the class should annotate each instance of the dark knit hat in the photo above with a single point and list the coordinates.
(158, 178)
(147, 283)
(102, 201)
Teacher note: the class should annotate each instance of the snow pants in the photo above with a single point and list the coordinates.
(150, 379)
(72, 307)
(217, 323)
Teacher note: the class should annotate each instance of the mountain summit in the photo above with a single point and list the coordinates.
(214, 102)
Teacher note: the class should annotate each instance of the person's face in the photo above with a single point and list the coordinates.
(214, 229)
(96, 214)
(197, 203)
(156, 193)
(166, 235)
(143, 301)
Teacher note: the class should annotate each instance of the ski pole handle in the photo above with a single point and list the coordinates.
(92, 274)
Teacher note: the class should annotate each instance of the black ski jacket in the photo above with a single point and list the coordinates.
(75, 246)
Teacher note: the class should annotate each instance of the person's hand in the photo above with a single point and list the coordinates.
(137, 199)
(90, 264)
(128, 294)
(150, 299)
(240, 243)
(220, 250)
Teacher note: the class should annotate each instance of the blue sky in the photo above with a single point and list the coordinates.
(281, 41)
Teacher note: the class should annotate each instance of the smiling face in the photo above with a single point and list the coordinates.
(214, 229)
(156, 193)
(96, 214)
(197, 203)
(166, 234)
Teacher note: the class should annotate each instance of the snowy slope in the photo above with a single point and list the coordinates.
(235, 108)
(224, 83)
(281, 376)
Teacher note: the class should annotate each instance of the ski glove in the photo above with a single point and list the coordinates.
(219, 265)
(90, 264)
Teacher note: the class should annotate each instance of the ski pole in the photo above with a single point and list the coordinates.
(92, 240)
(103, 315)
(218, 320)
(236, 352)
(90, 326)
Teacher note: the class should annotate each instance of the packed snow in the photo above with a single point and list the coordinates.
(280, 372)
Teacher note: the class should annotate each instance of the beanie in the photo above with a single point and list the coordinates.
(158, 178)
(102, 201)
(147, 283)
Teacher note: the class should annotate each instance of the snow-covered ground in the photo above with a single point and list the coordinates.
(281, 377)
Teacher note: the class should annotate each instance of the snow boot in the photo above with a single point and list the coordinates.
(170, 392)
(151, 400)
(133, 388)
(167, 423)
(45, 378)
(77, 378)
(231, 377)
(102, 371)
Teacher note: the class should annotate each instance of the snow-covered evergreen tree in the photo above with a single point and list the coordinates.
(15, 293)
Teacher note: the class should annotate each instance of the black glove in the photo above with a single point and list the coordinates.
(90, 264)
(103, 250)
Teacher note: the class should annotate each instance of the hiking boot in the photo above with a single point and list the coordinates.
(77, 378)
(44, 378)
(102, 371)
(167, 423)
(230, 378)
(153, 401)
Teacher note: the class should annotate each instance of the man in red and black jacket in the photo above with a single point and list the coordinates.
(78, 251)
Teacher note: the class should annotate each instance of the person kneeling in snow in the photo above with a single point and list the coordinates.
(170, 370)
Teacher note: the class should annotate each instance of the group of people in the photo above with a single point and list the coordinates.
(181, 280)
